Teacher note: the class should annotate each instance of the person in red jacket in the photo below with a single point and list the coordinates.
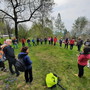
(23, 42)
(71, 42)
(82, 61)
(55, 40)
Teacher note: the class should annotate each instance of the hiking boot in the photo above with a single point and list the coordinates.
(13, 73)
(30, 81)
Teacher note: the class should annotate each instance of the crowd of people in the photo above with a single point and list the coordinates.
(7, 53)
(53, 41)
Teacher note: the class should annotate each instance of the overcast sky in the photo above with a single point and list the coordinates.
(70, 10)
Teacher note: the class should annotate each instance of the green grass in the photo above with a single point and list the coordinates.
(1, 40)
(47, 58)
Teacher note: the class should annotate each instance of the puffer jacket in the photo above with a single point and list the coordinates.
(26, 59)
(82, 59)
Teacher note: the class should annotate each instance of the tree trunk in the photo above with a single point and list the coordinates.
(9, 34)
(16, 30)
(8, 30)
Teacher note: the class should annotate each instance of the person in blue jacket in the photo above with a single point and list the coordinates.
(33, 41)
(28, 63)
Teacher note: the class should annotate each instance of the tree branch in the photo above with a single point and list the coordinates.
(30, 15)
(11, 1)
(6, 14)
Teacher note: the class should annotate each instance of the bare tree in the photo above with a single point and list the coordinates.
(21, 11)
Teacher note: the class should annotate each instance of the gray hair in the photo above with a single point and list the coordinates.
(8, 40)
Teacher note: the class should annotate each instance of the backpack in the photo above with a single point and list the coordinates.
(2, 56)
(52, 80)
(20, 65)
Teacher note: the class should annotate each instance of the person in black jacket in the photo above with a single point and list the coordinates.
(28, 41)
(79, 43)
(45, 40)
(60, 42)
(51, 40)
(87, 43)
(38, 40)
(10, 56)
(41, 40)
(28, 72)
(66, 43)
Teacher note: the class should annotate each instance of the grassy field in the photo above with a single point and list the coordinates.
(47, 58)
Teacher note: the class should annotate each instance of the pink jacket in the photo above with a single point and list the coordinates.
(82, 59)
(49, 39)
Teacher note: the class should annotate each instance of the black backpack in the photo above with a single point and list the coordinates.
(20, 64)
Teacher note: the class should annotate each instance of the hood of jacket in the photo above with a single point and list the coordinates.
(22, 54)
